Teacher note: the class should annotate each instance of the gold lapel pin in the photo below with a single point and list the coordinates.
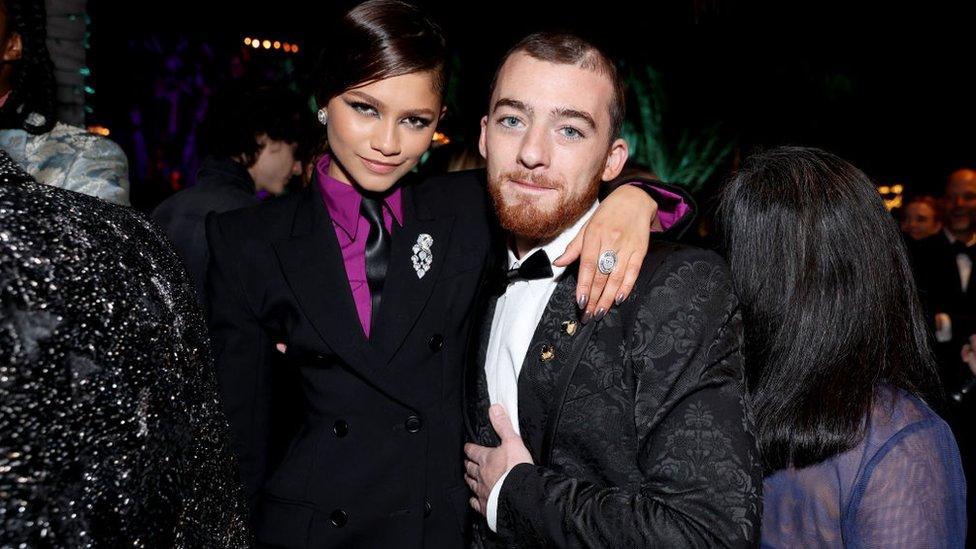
(570, 327)
(548, 353)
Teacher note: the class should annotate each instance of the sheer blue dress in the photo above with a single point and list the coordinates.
(902, 486)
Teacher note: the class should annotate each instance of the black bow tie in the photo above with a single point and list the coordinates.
(960, 248)
(535, 267)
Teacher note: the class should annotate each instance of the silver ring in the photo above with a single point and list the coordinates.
(608, 262)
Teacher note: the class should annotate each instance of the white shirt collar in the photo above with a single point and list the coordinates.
(555, 247)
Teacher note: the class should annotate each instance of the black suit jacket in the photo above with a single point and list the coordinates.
(222, 185)
(638, 425)
(940, 290)
(377, 461)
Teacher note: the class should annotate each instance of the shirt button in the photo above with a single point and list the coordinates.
(338, 518)
(340, 428)
(413, 424)
(435, 342)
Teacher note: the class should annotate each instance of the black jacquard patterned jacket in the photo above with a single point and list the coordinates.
(638, 425)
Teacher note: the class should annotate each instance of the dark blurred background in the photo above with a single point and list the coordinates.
(887, 87)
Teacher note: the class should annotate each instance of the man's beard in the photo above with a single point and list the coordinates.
(524, 219)
(960, 224)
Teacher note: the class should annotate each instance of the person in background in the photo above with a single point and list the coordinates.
(943, 265)
(53, 153)
(252, 141)
(921, 217)
(837, 358)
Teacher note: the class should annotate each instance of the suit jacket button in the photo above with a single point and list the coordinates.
(435, 342)
(413, 424)
(340, 428)
(338, 518)
(427, 508)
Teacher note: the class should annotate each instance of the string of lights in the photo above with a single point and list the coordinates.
(259, 43)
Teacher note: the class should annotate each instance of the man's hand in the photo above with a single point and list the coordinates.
(943, 328)
(968, 355)
(484, 466)
(622, 223)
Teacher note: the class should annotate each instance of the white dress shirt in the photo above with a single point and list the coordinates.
(517, 313)
(963, 262)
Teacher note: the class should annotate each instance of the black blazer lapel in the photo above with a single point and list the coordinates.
(476, 396)
(569, 349)
(476, 399)
(311, 262)
(548, 362)
(405, 293)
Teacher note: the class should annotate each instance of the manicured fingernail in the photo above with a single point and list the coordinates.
(587, 317)
(600, 314)
(620, 299)
(581, 301)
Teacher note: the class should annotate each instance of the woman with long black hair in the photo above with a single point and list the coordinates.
(837, 361)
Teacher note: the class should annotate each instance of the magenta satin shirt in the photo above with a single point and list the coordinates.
(352, 229)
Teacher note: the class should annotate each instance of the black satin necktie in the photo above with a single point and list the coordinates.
(377, 253)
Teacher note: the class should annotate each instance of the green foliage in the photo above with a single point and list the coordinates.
(687, 156)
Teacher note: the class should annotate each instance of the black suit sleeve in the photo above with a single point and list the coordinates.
(243, 354)
(700, 479)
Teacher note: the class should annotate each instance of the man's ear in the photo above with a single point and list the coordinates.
(616, 159)
(482, 141)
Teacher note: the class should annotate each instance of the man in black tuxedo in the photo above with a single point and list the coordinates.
(629, 432)
(944, 264)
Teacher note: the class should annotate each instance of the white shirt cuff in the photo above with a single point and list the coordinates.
(492, 512)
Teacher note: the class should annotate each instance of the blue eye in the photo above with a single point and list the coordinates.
(572, 133)
(509, 121)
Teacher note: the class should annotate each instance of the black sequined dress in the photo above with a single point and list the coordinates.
(110, 431)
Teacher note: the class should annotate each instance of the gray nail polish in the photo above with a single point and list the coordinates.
(620, 299)
(582, 301)
(600, 313)
(587, 317)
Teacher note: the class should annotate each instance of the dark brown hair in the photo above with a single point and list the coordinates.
(238, 116)
(563, 48)
(937, 209)
(32, 104)
(828, 301)
(380, 39)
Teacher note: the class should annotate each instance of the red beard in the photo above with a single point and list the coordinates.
(526, 220)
